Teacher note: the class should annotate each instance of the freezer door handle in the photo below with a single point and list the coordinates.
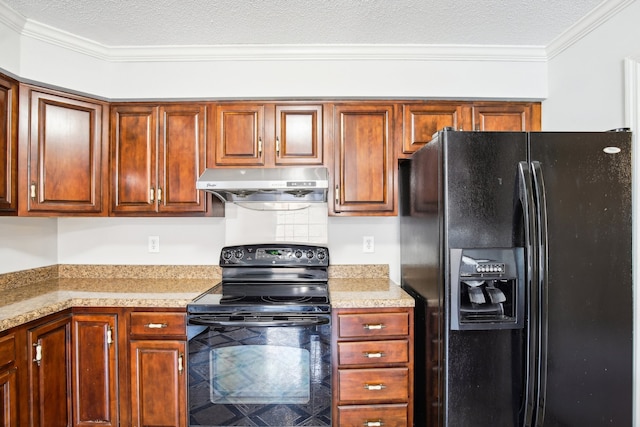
(526, 202)
(540, 203)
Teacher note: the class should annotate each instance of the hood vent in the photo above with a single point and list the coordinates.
(266, 185)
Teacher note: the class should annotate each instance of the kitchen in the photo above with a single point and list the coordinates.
(559, 75)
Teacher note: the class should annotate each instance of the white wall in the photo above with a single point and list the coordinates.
(586, 81)
(27, 243)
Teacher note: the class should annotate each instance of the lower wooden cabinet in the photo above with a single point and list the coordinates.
(49, 373)
(158, 383)
(94, 370)
(157, 363)
(8, 381)
(373, 367)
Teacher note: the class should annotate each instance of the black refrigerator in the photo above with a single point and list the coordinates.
(517, 249)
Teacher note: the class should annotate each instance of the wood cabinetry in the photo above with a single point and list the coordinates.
(9, 406)
(157, 363)
(49, 373)
(364, 171)
(8, 146)
(373, 367)
(94, 370)
(266, 134)
(423, 119)
(506, 116)
(157, 154)
(63, 153)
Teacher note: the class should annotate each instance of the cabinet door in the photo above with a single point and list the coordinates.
(506, 116)
(8, 146)
(421, 121)
(9, 381)
(158, 383)
(64, 153)
(364, 172)
(298, 135)
(133, 158)
(182, 157)
(49, 373)
(95, 392)
(240, 135)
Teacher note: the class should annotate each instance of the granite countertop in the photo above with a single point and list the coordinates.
(33, 294)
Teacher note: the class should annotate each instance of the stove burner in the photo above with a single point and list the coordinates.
(232, 298)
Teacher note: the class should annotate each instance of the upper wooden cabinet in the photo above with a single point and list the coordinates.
(506, 116)
(157, 154)
(63, 153)
(364, 172)
(8, 146)
(421, 121)
(254, 134)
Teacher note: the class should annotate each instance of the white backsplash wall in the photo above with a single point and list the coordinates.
(27, 243)
(307, 225)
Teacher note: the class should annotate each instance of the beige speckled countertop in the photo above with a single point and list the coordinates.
(32, 294)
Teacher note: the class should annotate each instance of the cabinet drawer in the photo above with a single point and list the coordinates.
(373, 324)
(373, 416)
(373, 385)
(7, 350)
(373, 352)
(158, 324)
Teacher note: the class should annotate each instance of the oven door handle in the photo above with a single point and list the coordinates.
(298, 321)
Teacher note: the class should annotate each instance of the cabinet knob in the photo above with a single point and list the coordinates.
(373, 354)
(156, 325)
(374, 386)
(374, 327)
(38, 349)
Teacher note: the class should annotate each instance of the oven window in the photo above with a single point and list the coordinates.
(260, 374)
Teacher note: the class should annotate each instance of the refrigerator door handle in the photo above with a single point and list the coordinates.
(525, 199)
(540, 202)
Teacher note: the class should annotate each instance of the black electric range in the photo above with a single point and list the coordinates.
(264, 279)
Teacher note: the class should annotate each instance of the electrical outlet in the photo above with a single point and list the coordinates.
(367, 244)
(154, 243)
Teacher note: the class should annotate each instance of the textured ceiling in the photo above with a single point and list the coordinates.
(228, 22)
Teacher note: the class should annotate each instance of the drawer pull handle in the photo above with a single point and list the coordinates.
(155, 325)
(375, 386)
(377, 423)
(374, 326)
(373, 354)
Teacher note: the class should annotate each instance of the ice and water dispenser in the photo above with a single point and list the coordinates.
(487, 288)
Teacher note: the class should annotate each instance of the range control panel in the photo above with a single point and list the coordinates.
(275, 255)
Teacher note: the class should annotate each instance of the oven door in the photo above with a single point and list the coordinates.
(259, 370)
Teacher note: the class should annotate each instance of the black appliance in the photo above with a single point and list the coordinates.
(260, 341)
(517, 248)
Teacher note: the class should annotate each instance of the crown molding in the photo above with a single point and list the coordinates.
(602, 13)
(320, 52)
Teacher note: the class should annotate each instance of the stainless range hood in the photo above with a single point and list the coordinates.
(260, 185)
